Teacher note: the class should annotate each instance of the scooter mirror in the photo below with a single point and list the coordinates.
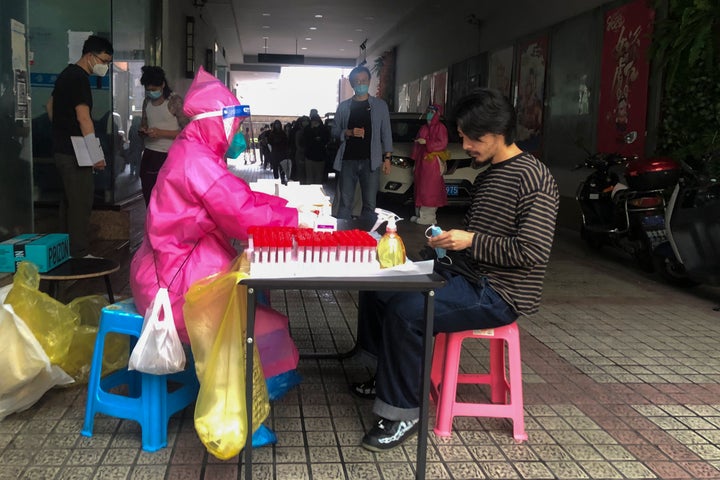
(630, 137)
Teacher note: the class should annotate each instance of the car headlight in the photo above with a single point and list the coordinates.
(402, 162)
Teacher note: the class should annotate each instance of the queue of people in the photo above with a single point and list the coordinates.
(298, 150)
(196, 207)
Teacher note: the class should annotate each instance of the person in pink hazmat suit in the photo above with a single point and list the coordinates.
(197, 205)
(430, 154)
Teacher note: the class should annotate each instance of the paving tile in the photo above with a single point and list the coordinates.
(668, 469)
(485, 453)
(466, 470)
(614, 452)
(79, 473)
(454, 453)
(705, 451)
(323, 454)
(563, 470)
(499, 470)
(327, 471)
(583, 452)
(290, 455)
(362, 471)
(221, 472)
(600, 469)
(39, 473)
(634, 470)
(295, 471)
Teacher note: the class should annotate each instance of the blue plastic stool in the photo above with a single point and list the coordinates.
(149, 403)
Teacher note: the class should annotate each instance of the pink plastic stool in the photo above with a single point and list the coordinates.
(507, 396)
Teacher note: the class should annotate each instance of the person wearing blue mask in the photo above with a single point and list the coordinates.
(162, 120)
(362, 125)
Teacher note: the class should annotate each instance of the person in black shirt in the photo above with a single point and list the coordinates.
(363, 129)
(69, 109)
(316, 139)
(279, 150)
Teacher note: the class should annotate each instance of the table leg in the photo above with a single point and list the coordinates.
(53, 288)
(249, 345)
(108, 286)
(425, 394)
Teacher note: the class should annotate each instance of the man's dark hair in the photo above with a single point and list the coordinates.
(485, 111)
(155, 76)
(95, 44)
(357, 70)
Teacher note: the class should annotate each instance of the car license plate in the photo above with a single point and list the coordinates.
(452, 190)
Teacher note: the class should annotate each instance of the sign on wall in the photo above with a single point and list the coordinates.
(532, 61)
(624, 78)
(439, 88)
(500, 70)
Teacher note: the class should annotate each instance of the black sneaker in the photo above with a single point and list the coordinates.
(388, 434)
(364, 389)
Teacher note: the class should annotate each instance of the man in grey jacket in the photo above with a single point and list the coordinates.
(362, 125)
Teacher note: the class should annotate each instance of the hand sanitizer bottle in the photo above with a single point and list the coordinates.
(390, 249)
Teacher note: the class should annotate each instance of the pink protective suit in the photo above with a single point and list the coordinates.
(429, 183)
(197, 206)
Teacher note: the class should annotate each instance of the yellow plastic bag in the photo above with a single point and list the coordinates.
(78, 360)
(52, 323)
(215, 316)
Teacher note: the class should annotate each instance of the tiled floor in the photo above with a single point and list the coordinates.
(621, 376)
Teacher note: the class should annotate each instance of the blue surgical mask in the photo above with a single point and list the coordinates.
(153, 94)
(361, 90)
(430, 116)
(237, 146)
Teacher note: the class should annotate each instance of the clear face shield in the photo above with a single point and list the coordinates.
(228, 114)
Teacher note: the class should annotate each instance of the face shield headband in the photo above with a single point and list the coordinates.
(228, 114)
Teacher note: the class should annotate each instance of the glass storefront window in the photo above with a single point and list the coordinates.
(133, 26)
(16, 213)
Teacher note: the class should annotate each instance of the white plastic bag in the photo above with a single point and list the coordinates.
(26, 374)
(158, 350)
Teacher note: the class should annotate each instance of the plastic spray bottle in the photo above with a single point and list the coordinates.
(390, 249)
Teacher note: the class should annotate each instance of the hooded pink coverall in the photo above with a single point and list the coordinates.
(197, 206)
(428, 180)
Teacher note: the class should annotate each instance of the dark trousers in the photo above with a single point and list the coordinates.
(76, 203)
(352, 172)
(150, 165)
(275, 159)
(391, 327)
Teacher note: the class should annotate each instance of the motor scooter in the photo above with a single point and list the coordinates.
(628, 215)
(691, 255)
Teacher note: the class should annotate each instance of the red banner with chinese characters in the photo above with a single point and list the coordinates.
(624, 78)
(531, 66)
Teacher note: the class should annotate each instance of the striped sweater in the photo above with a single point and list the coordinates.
(513, 213)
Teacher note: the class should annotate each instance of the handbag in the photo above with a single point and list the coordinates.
(158, 350)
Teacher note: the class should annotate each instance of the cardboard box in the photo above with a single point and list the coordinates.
(47, 251)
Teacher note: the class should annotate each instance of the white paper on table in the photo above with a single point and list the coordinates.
(409, 268)
(294, 269)
(81, 152)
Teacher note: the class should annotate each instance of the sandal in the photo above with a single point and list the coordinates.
(364, 389)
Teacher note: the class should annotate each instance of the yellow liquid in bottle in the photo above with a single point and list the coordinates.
(391, 250)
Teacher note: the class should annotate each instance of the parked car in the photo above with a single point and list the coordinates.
(397, 187)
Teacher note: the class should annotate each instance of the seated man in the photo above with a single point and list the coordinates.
(498, 265)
